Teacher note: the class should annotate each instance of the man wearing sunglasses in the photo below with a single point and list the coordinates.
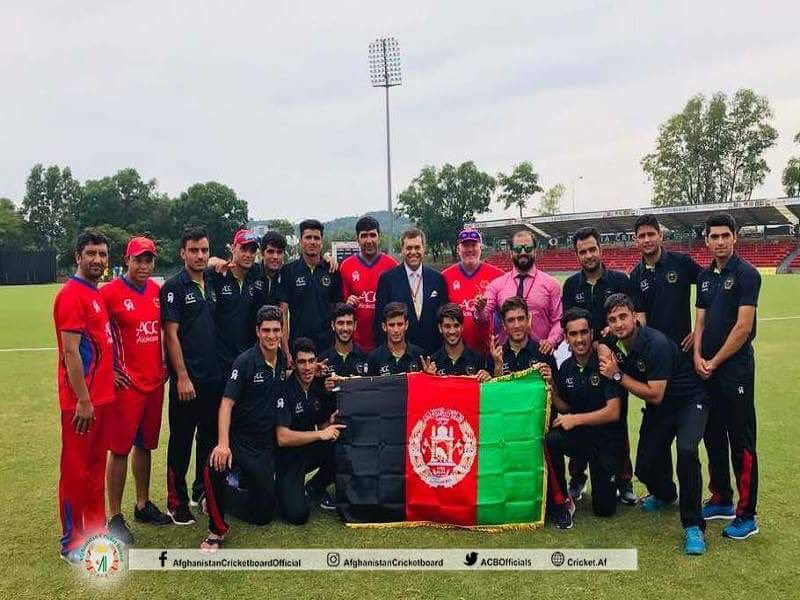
(540, 291)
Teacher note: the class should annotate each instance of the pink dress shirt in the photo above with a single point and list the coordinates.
(542, 295)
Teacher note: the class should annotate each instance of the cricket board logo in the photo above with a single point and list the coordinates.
(102, 556)
(442, 447)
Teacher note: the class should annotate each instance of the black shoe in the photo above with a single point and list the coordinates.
(626, 495)
(150, 514)
(182, 516)
(327, 502)
(118, 528)
(564, 515)
(313, 494)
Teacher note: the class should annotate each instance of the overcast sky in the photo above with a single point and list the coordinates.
(273, 98)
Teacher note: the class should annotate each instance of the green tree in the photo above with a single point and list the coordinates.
(518, 188)
(551, 200)
(712, 151)
(791, 174)
(13, 229)
(214, 205)
(282, 226)
(441, 202)
(51, 203)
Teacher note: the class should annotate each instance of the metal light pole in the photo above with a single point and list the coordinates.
(574, 183)
(384, 71)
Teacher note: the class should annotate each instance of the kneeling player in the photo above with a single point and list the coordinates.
(396, 355)
(305, 432)
(651, 366)
(454, 358)
(588, 425)
(344, 358)
(246, 430)
(520, 352)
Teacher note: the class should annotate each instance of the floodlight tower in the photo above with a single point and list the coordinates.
(384, 71)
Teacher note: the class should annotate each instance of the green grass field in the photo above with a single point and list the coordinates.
(762, 567)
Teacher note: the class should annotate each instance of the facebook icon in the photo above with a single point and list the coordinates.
(162, 558)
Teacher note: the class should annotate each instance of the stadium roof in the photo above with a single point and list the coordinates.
(777, 211)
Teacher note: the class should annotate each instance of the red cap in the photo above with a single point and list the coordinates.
(244, 237)
(140, 245)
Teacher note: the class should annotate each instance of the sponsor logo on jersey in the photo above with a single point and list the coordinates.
(147, 332)
(128, 304)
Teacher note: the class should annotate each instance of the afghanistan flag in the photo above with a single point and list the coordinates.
(450, 450)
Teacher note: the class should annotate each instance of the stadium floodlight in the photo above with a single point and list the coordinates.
(385, 72)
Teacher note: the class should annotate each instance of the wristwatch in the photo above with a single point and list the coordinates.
(617, 376)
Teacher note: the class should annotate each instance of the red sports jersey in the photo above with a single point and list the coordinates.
(136, 326)
(359, 278)
(462, 289)
(79, 308)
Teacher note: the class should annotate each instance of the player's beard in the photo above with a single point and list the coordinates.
(522, 262)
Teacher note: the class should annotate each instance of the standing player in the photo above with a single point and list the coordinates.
(311, 289)
(247, 429)
(454, 357)
(396, 355)
(133, 305)
(727, 297)
(266, 290)
(588, 425)
(589, 289)
(540, 291)
(648, 364)
(420, 288)
(519, 352)
(661, 284)
(85, 392)
(467, 281)
(233, 289)
(187, 314)
(360, 274)
(305, 432)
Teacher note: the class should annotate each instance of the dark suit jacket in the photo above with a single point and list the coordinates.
(393, 287)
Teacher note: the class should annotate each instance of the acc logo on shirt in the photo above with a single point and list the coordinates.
(580, 297)
(258, 284)
(190, 298)
(226, 290)
(706, 285)
(258, 377)
(672, 277)
(570, 382)
(147, 331)
(300, 282)
(644, 285)
(728, 283)
(298, 408)
(384, 370)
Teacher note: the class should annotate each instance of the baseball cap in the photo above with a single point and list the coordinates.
(244, 237)
(469, 235)
(140, 245)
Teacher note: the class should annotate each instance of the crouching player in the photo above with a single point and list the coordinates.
(246, 430)
(454, 357)
(305, 431)
(648, 364)
(587, 427)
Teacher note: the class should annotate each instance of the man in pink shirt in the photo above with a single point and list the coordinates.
(541, 292)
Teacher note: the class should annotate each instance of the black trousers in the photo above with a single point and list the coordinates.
(602, 457)
(199, 414)
(577, 466)
(731, 434)
(292, 464)
(255, 463)
(660, 427)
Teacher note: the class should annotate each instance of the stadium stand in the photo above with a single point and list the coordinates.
(776, 220)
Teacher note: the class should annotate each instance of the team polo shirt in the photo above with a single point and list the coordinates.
(360, 279)
(135, 315)
(663, 293)
(655, 357)
(586, 390)
(311, 294)
(352, 364)
(255, 386)
(469, 363)
(264, 291)
(192, 306)
(462, 287)
(232, 313)
(381, 361)
(299, 410)
(527, 356)
(578, 292)
(721, 293)
(79, 308)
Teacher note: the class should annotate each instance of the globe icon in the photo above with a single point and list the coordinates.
(557, 559)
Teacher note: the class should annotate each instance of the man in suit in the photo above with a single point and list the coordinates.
(420, 288)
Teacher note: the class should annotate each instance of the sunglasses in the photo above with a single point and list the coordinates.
(527, 248)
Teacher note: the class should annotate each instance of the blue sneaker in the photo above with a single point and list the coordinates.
(741, 528)
(718, 510)
(652, 504)
(695, 544)
(73, 557)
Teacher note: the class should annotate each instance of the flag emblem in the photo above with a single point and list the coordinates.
(442, 447)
